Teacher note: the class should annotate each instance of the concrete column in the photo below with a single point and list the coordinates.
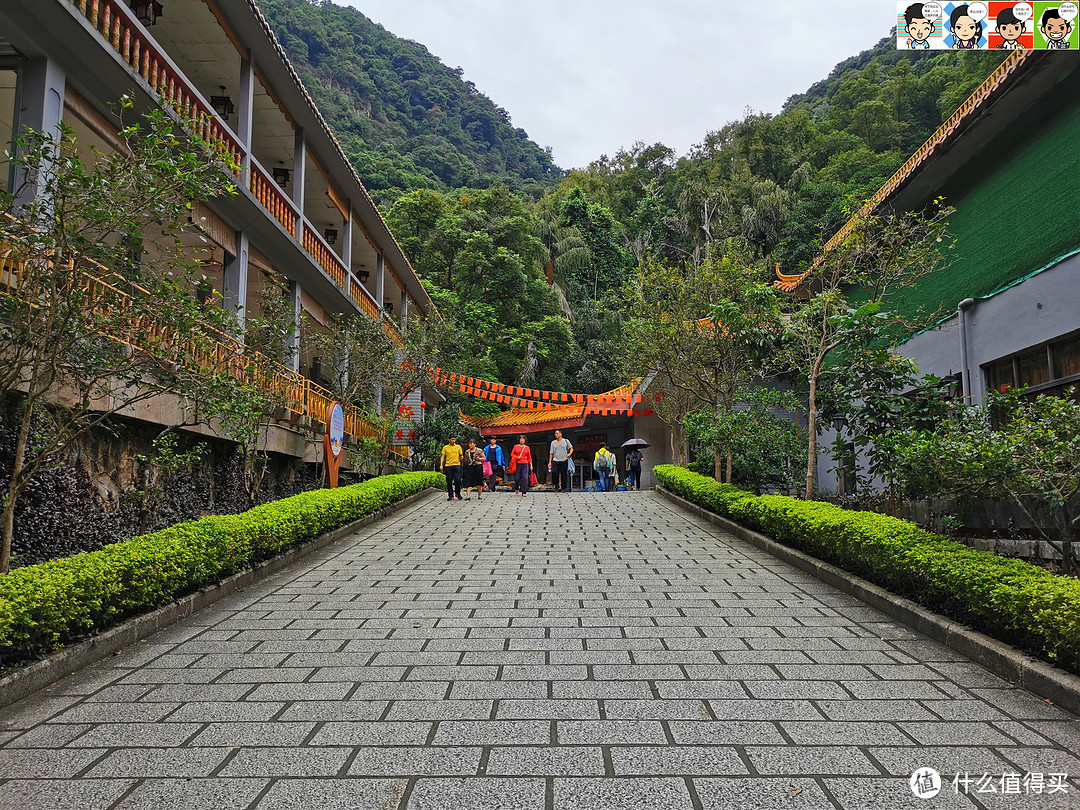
(299, 170)
(40, 107)
(346, 246)
(246, 108)
(295, 295)
(380, 280)
(236, 279)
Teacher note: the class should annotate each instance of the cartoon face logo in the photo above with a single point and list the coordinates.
(1011, 31)
(1054, 27)
(964, 28)
(917, 26)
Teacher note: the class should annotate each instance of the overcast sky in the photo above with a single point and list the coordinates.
(586, 77)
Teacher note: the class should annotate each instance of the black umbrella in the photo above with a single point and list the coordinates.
(635, 443)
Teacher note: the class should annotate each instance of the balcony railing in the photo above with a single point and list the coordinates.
(214, 351)
(116, 24)
(273, 199)
(320, 251)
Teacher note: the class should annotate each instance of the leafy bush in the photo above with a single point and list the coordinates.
(1014, 601)
(44, 606)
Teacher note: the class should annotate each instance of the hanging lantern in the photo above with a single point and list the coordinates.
(222, 104)
(147, 11)
(280, 174)
(330, 235)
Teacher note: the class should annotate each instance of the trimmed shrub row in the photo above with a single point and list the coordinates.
(45, 606)
(1014, 601)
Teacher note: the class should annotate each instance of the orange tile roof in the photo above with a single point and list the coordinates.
(527, 416)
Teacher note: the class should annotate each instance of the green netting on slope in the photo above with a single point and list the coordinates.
(1020, 216)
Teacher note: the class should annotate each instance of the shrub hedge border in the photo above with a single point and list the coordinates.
(1045, 613)
(333, 515)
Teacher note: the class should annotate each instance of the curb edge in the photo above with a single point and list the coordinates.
(25, 681)
(1038, 677)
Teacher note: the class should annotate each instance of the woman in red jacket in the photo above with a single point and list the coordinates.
(521, 461)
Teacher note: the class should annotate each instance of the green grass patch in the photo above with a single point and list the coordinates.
(1019, 603)
(43, 607)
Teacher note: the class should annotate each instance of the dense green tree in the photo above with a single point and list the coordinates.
(481, 257)
(405, 120)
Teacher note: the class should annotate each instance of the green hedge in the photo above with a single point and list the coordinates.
(44, 606)
(1019, 603)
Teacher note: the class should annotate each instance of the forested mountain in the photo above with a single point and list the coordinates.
(405, 120)
(783, 181)
(531, 265)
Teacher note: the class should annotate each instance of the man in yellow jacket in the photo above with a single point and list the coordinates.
(604, 462)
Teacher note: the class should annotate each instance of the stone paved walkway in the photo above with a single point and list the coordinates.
(571, 652)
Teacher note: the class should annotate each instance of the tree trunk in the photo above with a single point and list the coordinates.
(1068, 557)
(811, 427)
(730, 459)
(14, 486)
(718, 465)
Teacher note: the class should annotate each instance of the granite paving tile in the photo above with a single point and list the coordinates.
(415, 761)
(184, 794)
(762, 794)
(611, 732)
(725, 732)
(441, 709)
(874, 794)
(115, 713)
(493, 732)
(254, 734)
(478, 794)
(35, 763)
(309, 761)
(955, 733)
(951, 760)
(108, 735)
(546, 761)
(50, 735)
(806, 760)
(605, 794)
(567, 709)
(370, 732)
(677, 760)
(334, 794)
(84, 794)
(289, 692)
(144, 763)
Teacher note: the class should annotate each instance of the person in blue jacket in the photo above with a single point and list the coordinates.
(494, 454)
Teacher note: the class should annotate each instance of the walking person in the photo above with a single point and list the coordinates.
(521, 464)
(559, 461)
(633, 468)
(604, 462)
(450, 466)
(472, 474)
(494, 455)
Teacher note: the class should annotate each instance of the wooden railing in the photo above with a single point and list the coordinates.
(273, 199)
(313, 243)
(215, 351)
(116, 24)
